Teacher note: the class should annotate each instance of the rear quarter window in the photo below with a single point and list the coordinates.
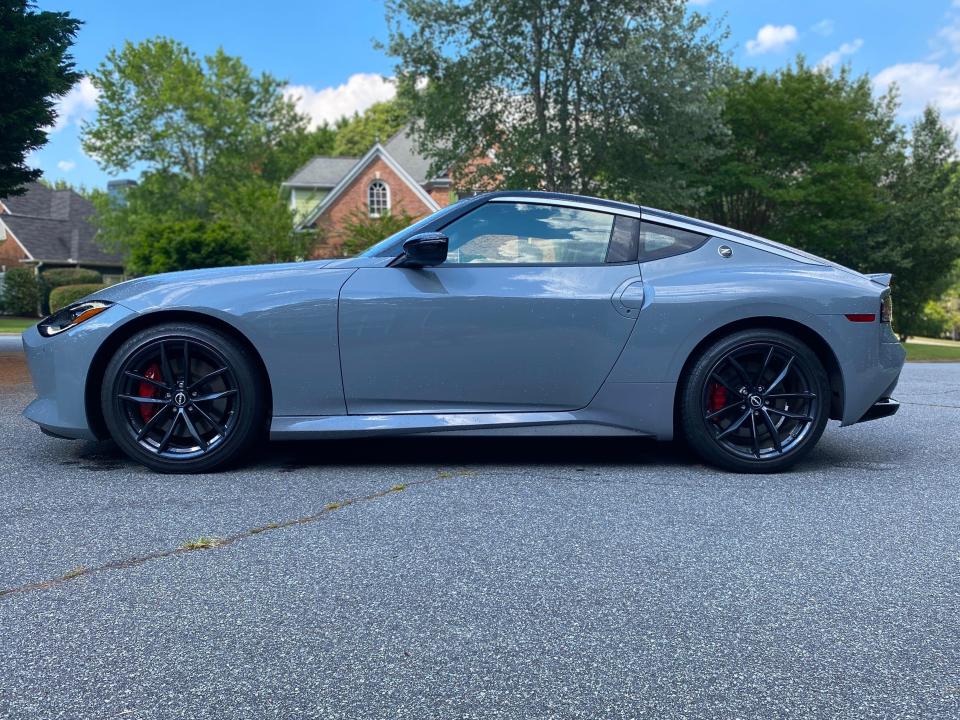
(660, 241)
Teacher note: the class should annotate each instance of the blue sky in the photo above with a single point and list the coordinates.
(325, 50)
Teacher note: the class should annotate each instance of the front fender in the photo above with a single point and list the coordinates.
(287, 312)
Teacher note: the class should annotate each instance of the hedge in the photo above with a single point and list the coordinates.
(66, 294)
(58, 277)
(20, 292)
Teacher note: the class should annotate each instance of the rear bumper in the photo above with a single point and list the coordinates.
(884, 407)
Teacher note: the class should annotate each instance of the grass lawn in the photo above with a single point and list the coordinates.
(932, 353)
(15, 324)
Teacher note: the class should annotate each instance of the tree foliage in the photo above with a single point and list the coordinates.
(20, 293)
(361, 231)
(805, 160)
(378, 123)
(216, 141)
(35, 67)
(186, 245)
(617, 98)
(918, 236)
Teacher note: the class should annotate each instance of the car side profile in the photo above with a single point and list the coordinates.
(519, 313)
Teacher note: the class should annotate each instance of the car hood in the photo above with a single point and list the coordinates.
(140, 286)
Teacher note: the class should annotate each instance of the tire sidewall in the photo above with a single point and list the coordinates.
(698, 435)
(249, 422)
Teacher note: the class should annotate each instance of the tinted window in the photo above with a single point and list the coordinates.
(623, 241)
(528, 234)
(659, 241)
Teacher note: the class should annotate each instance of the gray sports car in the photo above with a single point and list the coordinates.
(519, 313)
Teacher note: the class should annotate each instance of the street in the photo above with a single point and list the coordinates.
(528, 578)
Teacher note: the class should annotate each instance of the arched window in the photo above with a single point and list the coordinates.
(378, 198)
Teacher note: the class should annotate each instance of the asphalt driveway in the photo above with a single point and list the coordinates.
(474, 579)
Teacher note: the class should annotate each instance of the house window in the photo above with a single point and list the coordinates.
(378, 198)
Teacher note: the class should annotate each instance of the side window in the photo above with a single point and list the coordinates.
(660, 241)
(530, 234)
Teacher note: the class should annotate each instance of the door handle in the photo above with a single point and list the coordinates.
(628, 298)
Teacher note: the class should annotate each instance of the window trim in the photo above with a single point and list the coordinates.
(387, 207)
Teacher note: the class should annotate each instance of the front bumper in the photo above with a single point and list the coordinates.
(59, 366)
(884, 407)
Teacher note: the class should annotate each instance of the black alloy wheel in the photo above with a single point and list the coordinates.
(755, 402)
(182, 398)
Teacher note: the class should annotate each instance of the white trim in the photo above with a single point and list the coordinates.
(4, 209)
(354, 173)
(386, 186)
(293, 199)
(16, 240)
(672, 220)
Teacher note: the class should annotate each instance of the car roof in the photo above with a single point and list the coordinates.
(562, 197)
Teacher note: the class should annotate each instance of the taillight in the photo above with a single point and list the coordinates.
(886, 308)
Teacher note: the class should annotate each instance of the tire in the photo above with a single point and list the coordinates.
(176, 422)
(732, 381)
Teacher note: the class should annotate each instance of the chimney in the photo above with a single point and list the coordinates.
(75, 245)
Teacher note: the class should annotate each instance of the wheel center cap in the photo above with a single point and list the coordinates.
(756, 401)
(180, 399)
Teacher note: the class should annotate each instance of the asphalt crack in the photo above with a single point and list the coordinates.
(221, 542)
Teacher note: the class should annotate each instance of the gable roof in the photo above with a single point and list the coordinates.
(54, 226)
(403, 149)
(322, 172)
(377, 151)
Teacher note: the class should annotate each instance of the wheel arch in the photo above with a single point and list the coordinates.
(804, 333)
(107, 349)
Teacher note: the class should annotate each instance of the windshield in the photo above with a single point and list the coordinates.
(386, 243)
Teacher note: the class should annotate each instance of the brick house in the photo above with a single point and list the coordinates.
(391, 178)
(46, 228)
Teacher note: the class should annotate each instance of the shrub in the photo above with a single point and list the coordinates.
(58, 277)
(360, 231)
(20, 292)
(186, 245)
(66, 294)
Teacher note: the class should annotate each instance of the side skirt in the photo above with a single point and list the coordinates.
(514, 424)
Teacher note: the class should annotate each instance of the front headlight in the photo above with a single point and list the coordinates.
(72, 315)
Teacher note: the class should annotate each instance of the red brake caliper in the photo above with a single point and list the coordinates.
(147, 390)
(718, 397)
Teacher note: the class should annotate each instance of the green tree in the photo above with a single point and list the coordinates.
(918, 238)
(185, 245)
(20, 292)
(616, 98)
(805, 161)
(163, 106)
(216, 141)
(356, 135)
(35, 67)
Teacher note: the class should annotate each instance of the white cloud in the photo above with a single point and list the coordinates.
(331, 103)
(66, 165)
(922, 83)
(76, 105)
(832, 58)
(699, 2)
(824, 27)
(771, 38)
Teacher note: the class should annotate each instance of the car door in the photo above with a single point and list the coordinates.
(529, 313)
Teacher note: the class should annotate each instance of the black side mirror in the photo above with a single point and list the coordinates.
(424, 250)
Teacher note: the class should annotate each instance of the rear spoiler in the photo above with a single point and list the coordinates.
(881, 278)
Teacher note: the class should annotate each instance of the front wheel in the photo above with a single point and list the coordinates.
(756, 401)
(182, 398)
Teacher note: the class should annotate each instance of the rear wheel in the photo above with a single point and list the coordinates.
(756, 401)
(182, 398)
